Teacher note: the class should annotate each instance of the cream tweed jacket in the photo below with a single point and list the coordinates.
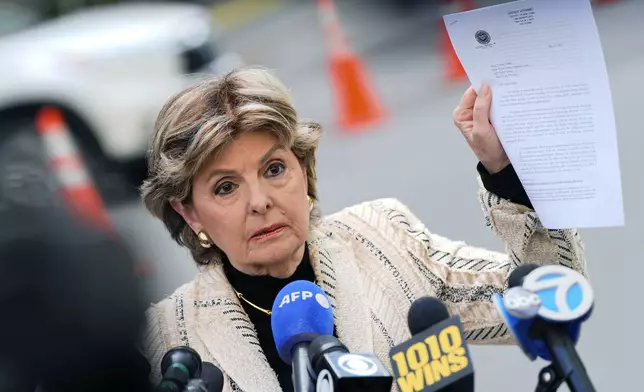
(373, 260)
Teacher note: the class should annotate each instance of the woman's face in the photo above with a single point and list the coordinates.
(251, 201)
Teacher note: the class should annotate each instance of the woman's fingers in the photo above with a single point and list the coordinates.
(467, 101)
(463, 111)
(482, 108)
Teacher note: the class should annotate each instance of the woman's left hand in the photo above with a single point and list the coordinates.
(472, 117)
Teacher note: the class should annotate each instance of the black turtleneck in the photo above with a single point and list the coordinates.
(262, 290)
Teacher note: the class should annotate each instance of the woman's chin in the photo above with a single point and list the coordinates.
(275, 252)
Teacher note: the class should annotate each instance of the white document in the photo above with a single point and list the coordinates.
(551, 104)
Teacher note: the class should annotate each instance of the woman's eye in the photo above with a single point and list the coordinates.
(225, 188)
(275, 169)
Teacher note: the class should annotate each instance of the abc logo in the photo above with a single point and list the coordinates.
(522, 303)
(303, 296)
(564, 293)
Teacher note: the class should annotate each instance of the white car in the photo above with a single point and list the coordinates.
(109, 69)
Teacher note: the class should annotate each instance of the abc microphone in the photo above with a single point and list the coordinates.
(301, 312)
(544, 308)
(338, 370)
(436, 358)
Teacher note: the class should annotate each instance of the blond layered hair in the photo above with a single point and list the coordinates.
(199, 122)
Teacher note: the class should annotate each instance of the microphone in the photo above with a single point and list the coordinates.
(178, 366)
(212, 380)
(338, 370)
(301, 312)
(544, 308)
(436, 358)
(518, 274)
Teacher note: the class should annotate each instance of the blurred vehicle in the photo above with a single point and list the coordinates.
(109, 69)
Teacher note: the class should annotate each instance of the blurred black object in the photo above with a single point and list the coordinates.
(183, 371)
(72, 308)
(211, 376)
(178, 366)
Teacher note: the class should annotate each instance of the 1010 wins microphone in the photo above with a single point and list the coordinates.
(544, 308)
(340, 371)
(301, 312)
(436, 358)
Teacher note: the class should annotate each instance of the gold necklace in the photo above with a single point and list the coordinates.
(241, 296)
(268, 312)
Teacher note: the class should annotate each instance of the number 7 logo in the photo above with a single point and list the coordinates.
(565, 294)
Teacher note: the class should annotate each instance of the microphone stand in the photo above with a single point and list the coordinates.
(566, 364)
(301, 373)
(549, 379)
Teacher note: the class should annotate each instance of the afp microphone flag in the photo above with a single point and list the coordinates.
(433, 358)
(301, 312)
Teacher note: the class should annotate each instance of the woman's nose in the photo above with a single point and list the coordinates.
(260, 201)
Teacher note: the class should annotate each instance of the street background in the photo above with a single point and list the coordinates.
(418, 156)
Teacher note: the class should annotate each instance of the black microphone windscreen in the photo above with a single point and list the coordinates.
(322, 345)
(185, 356)
(426, 312)
(516, 277)
(213, 377)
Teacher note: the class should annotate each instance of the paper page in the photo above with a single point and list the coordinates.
(551, 105)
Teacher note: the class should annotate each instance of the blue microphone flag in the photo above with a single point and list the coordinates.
(555, 294)
(301, 312)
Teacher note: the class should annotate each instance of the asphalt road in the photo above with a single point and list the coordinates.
(417, 151)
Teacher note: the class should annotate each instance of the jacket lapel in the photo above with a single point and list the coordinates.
(228, 334)
(337, 272)
(230, 338)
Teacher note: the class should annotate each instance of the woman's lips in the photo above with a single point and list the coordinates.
(268, 234)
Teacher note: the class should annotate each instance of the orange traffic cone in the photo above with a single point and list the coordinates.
(357, 104)
(78, 190)
(453, 71)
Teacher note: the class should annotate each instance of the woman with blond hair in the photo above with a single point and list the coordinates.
(232, 175)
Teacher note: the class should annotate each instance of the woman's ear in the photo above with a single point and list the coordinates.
(189, 215)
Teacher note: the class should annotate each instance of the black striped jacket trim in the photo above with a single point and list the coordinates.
(469, 293)
(458, 263)
(327, 278)
(233, 386)
(181, 322)
(237, 316)
(488, 333)
(382, 329)
(455, 294)
(564, 243)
